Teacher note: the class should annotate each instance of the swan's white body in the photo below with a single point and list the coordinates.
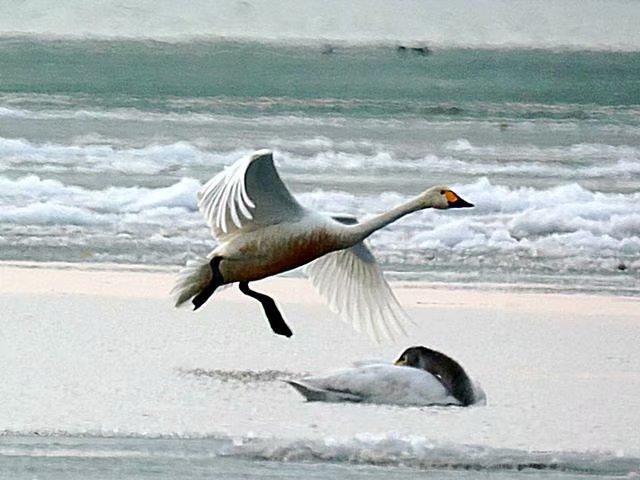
(262, 231)
(273, 249)
(380, 383)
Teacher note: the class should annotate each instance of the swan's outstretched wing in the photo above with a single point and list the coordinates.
(246, 195)
(353, 285)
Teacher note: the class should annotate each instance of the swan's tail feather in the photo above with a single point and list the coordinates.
(192, 279)
(318, 395)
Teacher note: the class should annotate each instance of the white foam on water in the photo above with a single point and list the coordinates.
(30, 200)
(578, 161)
(90, 158)
(572, 227)
(13, 113)
(117, 114)
(568, 224)
(532, 152)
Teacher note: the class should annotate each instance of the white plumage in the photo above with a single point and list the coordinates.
(262, 231)
(440, 382)
(354, 287)
(378, 383)
(246, 195)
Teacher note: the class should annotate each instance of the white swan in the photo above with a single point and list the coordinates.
(262, 231)
(420, 376)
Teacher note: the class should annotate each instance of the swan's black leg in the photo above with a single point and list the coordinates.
(274, 316)
(216, 281)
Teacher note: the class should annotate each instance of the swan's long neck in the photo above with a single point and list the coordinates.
(451, 375)
(358, 232)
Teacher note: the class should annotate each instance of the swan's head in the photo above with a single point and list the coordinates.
(425, 359)
(442, 197)
(417, 357)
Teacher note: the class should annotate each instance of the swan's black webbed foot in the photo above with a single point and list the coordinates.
(216, 281)
(277, 323)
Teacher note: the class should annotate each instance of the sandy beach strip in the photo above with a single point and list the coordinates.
(135, 281)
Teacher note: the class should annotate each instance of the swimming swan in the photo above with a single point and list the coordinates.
(262, 231)
(420, 376)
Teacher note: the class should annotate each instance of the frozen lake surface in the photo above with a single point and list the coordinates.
(99, 373)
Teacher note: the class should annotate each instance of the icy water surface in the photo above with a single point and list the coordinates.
(105, 168)
(224, 458)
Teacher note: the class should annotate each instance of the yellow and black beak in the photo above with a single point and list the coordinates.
(455, 201)
(401, 362)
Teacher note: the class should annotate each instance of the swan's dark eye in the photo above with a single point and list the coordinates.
(442, 192)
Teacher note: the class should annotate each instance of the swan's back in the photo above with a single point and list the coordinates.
(378, 383)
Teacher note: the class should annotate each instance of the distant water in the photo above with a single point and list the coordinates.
(578, 24)
(104, 144)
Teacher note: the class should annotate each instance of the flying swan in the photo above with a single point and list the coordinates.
(262, 231)
(420, 376)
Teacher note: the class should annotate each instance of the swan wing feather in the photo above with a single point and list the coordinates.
(248, 194)
(313, 394)
(381, 383)
(352, 283)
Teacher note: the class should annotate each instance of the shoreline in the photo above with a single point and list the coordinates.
(145, 281)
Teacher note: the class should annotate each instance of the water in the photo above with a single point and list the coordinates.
(577, 24)
(104, 143)
(100, 457)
